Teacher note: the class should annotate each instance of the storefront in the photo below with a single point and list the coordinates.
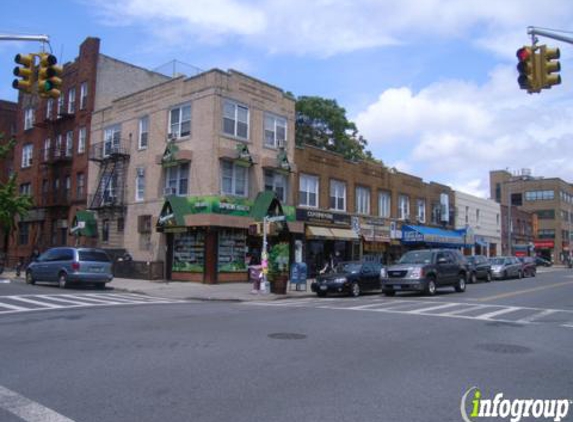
(327, 235)
(376, 239)
(418, 237)
(545, 249)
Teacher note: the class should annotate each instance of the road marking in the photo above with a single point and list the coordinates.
(519, 292)
(28, 410)
(536, 316)
(12, 307)
(464, 310)
(33, 302)
(490, 315)
(5, 281)
(567, 325)
(432, 308)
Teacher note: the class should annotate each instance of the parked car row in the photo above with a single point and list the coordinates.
(422, 271)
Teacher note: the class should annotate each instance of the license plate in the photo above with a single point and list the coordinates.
(323, 287)
(397, 287)
(96, 269)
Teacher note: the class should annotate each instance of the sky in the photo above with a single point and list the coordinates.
(431, 84)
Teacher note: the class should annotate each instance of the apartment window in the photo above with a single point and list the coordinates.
(120, 225)
(72, 101)
(139, 184)
(109, 188)
(235, 119)
(67, 187)
(497, 219)
(80, 185)
(362, 200)
(545, 214)
(542, 195)
(477, 216)
(546, 234)
(384, 203)
(467, 215)
(308, 191)
(111, 139)
(234, 179)
(82, 135)
(337, 195)
(180, 121)
(421, 205)
(47, 145)
(23, 233)
(277, 183)
(60, 104)
(177, 180)
(28, 118)
(275, 131)
(27, 151)
(26, 189)
(83, 95)
(105, 231)
(403, 207)
(436, 213)
(58, 150)
(49, 108)
(143, 132)
(69, 143)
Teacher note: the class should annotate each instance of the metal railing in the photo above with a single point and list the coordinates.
(109, 150)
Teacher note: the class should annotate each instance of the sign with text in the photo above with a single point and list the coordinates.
(318, 216)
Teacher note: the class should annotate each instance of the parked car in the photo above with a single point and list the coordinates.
(71, 265)
(479, 267)
(506, 267)
(425, 270)
(542, 262)
(352, 278)
(528, 266)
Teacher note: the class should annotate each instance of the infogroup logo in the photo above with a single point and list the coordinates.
(514, 409)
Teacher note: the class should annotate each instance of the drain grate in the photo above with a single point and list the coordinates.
(287, 336)
(503, 348)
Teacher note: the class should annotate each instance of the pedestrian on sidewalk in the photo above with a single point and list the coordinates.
(255, 273)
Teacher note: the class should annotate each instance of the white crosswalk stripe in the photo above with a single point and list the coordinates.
(423, 307)
(28, 303)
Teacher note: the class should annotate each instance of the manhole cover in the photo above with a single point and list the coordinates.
(287, 336)
(507, 349)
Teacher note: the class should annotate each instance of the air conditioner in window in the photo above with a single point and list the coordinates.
(171, 137)
(281, 143)
(169, 191)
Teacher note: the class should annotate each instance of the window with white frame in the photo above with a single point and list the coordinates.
(403, 207)
(477, 215)
(275, 131)
(26, 189)
(111, 138)
(139, 183)
(69, 143)
(421, 205)
(72, 100)
(384, 202)
(82, 135)
(277, 183)
(60, 104)
(362, 200)
(49, 108)
(83, 95)
(67, 187)
(180, 121)
(80, 185)
(47, 145)
(177, 180)
(235, 119)
(234, 179)
(143, 132)
(58, 150)
(337, 195)
(28, 118)
(308, 191)
(110, 184)
(27, 152)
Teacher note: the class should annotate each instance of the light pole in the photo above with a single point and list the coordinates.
(265, 255)
(509, 222)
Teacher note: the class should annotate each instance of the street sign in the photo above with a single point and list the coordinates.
(275, 219)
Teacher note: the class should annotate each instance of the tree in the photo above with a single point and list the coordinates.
(323, 123)
(12, 204)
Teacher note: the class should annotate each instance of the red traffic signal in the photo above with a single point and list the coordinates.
(526, 67)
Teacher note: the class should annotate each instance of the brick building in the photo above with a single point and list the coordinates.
(53, 138)
(7, 129)
(549, 199)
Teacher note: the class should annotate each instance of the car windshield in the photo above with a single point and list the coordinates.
(416, 257)
(497, 261)
(94, 256)
(348, 267)
(471, 259)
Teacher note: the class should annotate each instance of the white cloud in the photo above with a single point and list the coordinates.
(455, 132)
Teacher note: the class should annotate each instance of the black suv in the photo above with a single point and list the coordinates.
(480, 268)
(425, 270)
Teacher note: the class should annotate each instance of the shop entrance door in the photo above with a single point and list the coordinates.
(169, 256)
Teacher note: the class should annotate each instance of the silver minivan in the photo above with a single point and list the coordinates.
(66, 266)
(503, 267)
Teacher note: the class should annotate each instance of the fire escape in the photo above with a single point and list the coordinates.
(112, 157)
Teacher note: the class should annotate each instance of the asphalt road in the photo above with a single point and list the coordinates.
(338, 359)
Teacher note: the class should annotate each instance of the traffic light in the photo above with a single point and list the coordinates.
(26, 71)
(528, 78)
(549, 66)
(49, 76)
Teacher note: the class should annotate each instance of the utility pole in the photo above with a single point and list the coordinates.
(15, 37)
(534, 32)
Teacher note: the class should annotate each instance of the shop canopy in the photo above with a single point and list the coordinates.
(266, 204)
(84, 224)
(331, 233)
(434, 236)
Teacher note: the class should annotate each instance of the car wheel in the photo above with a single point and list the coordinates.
(389, 292)
(431, 287)
(473, 278)
(321, 294)
(533, 273)
(461, 284)
(520, 274)
(488, 276)
(63, 281)
(355, 290)
(30, 278)
(504, 275)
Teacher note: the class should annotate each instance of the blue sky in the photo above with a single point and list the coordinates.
(430, 83)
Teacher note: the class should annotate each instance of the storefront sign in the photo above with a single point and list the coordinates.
(317, 216)
(544, 244)
(374, 230)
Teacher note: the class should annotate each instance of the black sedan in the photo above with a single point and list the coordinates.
(351, 278)
(480, 268)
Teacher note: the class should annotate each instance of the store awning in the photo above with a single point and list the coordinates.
(84, 224)
(265, 203)
(331, 233)
(432, 236)
(344, 234)
(174, 211)
(314, 231)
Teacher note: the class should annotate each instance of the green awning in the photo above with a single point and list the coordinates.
(174, 211)
(84, 224)
(266, 204)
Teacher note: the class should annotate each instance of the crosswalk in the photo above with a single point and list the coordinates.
(28, 303)
(461, 310)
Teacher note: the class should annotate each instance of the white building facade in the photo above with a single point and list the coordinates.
(483, 218)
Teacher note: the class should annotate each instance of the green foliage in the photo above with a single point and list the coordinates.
(323, 123)
(278, 259)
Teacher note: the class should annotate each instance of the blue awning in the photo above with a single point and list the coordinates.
(433, 236)
(481, 241)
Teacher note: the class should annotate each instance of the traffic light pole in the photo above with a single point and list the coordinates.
(533, 31)
(11, 37)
